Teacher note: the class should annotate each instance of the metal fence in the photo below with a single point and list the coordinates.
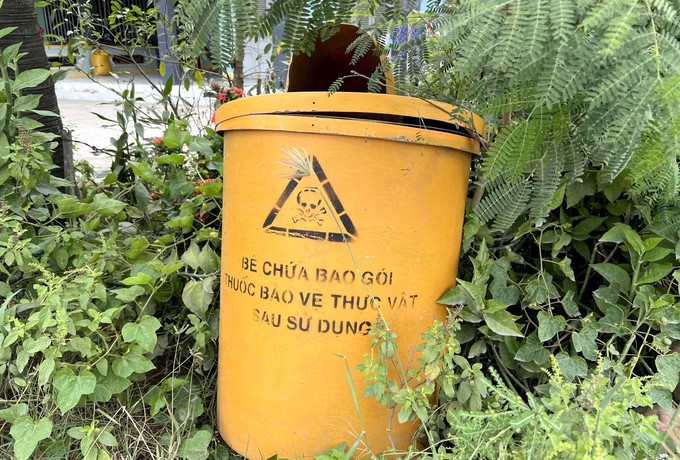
(59, 21)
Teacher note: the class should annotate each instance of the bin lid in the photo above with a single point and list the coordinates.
(367, 106)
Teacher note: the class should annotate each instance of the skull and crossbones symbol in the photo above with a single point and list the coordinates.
(310, 208)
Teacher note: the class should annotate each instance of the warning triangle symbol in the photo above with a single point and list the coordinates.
(310, 208)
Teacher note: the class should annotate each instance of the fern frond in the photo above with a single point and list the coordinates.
(504, 203)
(562, 20)
(547, 174)
(514, 148)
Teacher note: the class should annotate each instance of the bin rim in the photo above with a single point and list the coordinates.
(352, 128)
(315, 102)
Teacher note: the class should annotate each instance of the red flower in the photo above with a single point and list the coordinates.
(238, 91)
(212, 119)
(154, 196)
(157, 140)
(198, 184)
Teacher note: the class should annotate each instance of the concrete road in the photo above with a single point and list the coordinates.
(80, 97)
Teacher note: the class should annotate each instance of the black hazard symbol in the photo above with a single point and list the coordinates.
(310, 208)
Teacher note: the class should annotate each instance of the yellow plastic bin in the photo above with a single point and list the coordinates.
(101, 63)
(374, 209)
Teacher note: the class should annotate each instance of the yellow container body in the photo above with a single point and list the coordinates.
(101, 63)
(379, 216)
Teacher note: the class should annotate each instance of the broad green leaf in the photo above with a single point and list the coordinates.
(128, 295)
(585, 342)
(70, 387)
(143, 332)
(614, 274)
(70, 207)
(45, 371)
(109, 385)
(32, 346)
(565, 266)
(11, 52)
(586, 226)
(172, 159)
(502, 322)
(30, 79)
(144, 171)
(569, 304)
(107, 206)
(132, 362)
(208, 260)
(27, 435)
(654, 272)
(622, 233)
(195, 447)
(137, 246)
(549, 326)
(181, 221)
(656, 254)
(668, 367)
(13, 413)
(141, 279)
(532, 350)
(105, 438)
(473, 295)
(198, 295)
(6, 30)
(26, 103)
(572, 366)
(176, 136)
(192, 255)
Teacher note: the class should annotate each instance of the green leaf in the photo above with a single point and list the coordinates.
(13, 413)
(572, 366)
(473, 295)
(26, 103)
(565, 266)
(45, 371)
(175, 136)
(172, 159)
(109, 385)
(195, 447)
(107, 206)
(105, 438)
(132, 362)
(28, 434)
(191, 256)
(6, 30)
(128, 295)
(143, 332)
(532, 351)
(141, 279)
(622, 233)
(197, 296)
(585, 342)
(34, 346)
(654, 272)
(614, 274)
(549, 326)
(137, 246)
(208, 260)
(70, 207)
(586, 226)
(144, 171)
(569, 304)
(30, 79)
(70, 387)
(667, 367)
(502, 322)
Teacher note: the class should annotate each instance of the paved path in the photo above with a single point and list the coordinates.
(80, 97)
